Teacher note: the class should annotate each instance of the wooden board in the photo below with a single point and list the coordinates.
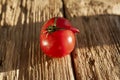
(20, 54)
(97, 52)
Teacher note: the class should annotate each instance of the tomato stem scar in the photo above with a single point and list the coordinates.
(53, 27)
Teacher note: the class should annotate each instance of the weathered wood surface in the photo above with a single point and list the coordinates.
(97, 52)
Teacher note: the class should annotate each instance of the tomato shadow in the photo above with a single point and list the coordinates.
(97, 31)
(19, 44)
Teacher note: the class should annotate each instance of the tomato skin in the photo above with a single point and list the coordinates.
(60, 42)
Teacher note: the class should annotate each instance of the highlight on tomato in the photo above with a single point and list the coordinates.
(57, 37)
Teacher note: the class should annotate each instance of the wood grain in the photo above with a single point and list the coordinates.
(97, 52)
(20, 54)
(91, 7)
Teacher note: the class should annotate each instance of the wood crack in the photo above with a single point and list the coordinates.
(64, 9)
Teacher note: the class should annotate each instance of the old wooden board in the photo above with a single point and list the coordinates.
(97, 52)
(20, 54)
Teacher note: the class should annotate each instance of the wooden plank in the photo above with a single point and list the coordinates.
(20, 54)
(97, 52)
(91, 7)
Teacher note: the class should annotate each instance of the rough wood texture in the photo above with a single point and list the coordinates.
(91, 7)
(20, 54)
(97, 52)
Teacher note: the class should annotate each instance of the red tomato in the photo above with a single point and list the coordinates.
(57, 37)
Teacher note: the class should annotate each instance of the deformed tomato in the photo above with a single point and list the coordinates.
(57, 37)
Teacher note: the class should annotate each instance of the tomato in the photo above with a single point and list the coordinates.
(57, 37)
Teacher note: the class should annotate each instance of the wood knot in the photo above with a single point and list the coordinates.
(91, 61)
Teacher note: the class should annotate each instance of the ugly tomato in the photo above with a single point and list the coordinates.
(57, 37)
